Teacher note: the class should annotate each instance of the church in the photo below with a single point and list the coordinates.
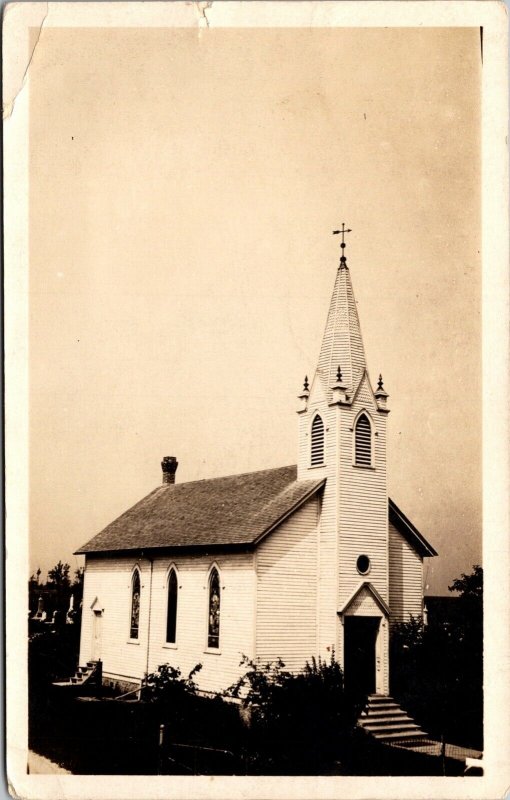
(300, 561)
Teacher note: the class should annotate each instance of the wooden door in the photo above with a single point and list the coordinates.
(360, 635)
(97, 630)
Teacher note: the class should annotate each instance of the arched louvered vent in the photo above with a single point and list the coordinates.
(363, 442)
(317, 453)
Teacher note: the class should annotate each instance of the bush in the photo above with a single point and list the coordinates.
(166, 686)
(299, 722)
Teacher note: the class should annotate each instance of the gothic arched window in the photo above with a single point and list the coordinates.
(213, 628)
(135, 604)
(317, 446)
(363, 442)
(171, 611)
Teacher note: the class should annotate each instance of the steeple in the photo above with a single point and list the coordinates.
(342, 438)
(342, 342)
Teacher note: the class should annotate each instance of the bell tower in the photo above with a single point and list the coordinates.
(342, 437)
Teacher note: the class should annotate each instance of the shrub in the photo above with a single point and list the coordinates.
(167, 685)
(299, 722)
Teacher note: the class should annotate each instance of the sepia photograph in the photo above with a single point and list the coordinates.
(251, 387)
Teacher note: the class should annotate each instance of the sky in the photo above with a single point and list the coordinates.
(184, 186)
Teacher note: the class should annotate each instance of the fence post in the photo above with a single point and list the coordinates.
(443, 753)
(160, 747)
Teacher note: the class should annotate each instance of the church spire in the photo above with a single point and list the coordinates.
(342, 342)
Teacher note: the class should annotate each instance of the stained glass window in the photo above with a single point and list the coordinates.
(213, 638)
(171, 615)
(135, 604)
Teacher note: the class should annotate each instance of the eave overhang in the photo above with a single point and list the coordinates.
(408, 531)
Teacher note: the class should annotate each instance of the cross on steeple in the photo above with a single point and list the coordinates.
(343, 231)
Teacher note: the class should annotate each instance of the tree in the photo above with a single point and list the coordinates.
(77, 586)
(59, 585)
(469, 586)
(78, 576)
(58, 576)
(437, 669)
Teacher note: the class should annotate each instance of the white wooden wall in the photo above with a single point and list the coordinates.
(406, 578)
(363, 502)
(327, 600)
(354, 510)
(286, 564)
(109, 579)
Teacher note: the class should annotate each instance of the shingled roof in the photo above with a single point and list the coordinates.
(408, 530)
(232, 512)
(235, 511)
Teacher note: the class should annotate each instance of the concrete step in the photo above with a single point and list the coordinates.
(394, 712)
(395, 719)
(381, 704)
(376, 698)
(415, 735)
(81, 676)
(385, 720)
(402, 726)
(382, 712)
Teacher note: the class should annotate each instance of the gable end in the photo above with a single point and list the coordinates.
(408, 531)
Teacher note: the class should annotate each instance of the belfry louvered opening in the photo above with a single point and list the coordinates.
(317, 451)
(363, 442)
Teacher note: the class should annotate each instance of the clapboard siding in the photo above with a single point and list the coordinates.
(287, 590)
(327, 600)
(354, 517)
(363, 501)
(110, 580)
(406, 578)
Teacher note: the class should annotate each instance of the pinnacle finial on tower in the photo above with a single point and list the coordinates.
(339, 389)
(303, 397)
(343, 231)
(381, 395)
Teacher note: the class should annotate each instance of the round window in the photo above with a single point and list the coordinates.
(363, 564)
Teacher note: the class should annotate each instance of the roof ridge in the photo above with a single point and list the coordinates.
(231, 475)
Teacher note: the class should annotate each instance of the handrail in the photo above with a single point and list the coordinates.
(126, 694)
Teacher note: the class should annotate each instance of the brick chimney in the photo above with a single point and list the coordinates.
(169, 466)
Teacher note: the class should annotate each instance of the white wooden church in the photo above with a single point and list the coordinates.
(287, 563)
